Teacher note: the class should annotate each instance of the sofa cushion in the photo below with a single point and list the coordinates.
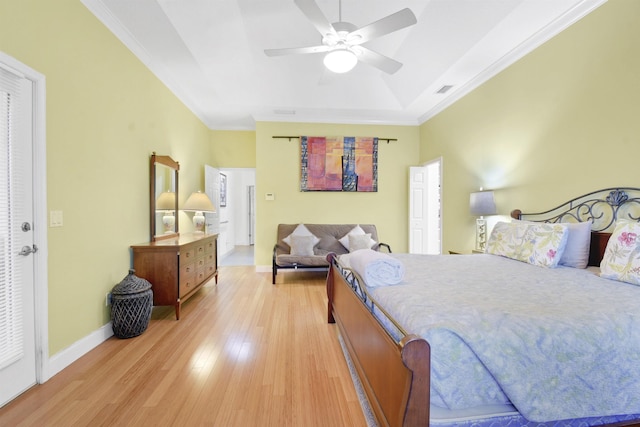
(315, 260)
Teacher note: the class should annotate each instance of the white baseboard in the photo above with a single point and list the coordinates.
(75, 351)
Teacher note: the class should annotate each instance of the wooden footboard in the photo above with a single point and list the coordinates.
(395, 376)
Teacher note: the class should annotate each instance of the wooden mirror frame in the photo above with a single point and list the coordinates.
(168, 162)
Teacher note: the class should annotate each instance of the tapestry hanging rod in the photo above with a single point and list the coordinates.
(297, 137)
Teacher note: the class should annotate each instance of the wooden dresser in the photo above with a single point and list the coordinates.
(178, 267)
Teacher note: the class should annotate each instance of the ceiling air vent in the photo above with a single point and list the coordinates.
(286, 112)
(444, 89)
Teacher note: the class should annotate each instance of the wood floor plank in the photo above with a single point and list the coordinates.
(244, 352)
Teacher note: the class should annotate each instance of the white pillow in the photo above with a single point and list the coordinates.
(302, 245)
(300, 230)
(355, 231)
(621, 259)
(359, 241)
(576, 251)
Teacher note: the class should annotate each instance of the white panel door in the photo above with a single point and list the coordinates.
(425, 220)
(212, 188)
(17, 299)
(417, 210)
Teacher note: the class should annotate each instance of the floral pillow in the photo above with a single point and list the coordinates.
(506, 239)
(538, 244)
(576, 251)
(621, 259)
(543, 244)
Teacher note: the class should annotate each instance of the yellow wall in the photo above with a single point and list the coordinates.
(233, 149)
(278, 172)
(559, 123)
(106, 113)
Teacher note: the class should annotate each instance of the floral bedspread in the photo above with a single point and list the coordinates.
(557, 343)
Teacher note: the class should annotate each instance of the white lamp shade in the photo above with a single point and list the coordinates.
(166, 201)
(482, 203)
(198, 202)
(340, 60)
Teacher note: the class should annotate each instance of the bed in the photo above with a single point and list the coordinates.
(462, 350)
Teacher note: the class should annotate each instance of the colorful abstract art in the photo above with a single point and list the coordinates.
(337, 163)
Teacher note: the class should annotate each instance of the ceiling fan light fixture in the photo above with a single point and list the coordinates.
(340, 60)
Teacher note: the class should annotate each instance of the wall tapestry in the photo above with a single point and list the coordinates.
(336, 163)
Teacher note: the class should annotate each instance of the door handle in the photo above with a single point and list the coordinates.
(26, 250)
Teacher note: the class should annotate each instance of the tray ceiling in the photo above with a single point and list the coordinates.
(210, 53)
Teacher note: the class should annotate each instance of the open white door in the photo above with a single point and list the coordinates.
(17, 247)
(425, 220)
(212, 188)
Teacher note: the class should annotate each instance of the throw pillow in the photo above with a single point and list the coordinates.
(576, 253)
(621, 259)
(543, 244)
(355, 231)
(505, 239)
(359, 241)
(300, 230)
(302, 245)
(538, 244)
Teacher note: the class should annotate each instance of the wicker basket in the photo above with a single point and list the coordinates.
(131, 304)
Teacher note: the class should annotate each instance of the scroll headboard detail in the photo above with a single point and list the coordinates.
(603, 207)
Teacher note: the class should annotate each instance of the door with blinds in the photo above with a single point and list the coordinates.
(17, 250)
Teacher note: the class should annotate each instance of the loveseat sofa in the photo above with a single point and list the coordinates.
(307, 245)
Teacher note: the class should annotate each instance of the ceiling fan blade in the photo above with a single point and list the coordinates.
(296, 50)
(394, 22)
(313, 13)
(377, 60)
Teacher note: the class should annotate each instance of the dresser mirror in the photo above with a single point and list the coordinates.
(164, 197)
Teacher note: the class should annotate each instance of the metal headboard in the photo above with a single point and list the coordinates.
(603, 207)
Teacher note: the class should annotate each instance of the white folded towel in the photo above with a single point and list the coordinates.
(376, 268)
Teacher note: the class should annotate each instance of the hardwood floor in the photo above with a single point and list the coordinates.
(245, 353)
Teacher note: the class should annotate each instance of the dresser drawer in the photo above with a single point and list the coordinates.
(200, 250)
(200, 262)
(201, 274)
(187, 277)
(210, 260)
(187, 254)
(209, 269)
(188, 283)
(210, 246)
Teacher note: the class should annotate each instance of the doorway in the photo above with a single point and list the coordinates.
(236, 232)
(425, 216)
(23, 244)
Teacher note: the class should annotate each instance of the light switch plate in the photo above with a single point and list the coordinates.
(55, 219)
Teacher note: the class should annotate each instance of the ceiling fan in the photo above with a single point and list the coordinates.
(343, 41)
